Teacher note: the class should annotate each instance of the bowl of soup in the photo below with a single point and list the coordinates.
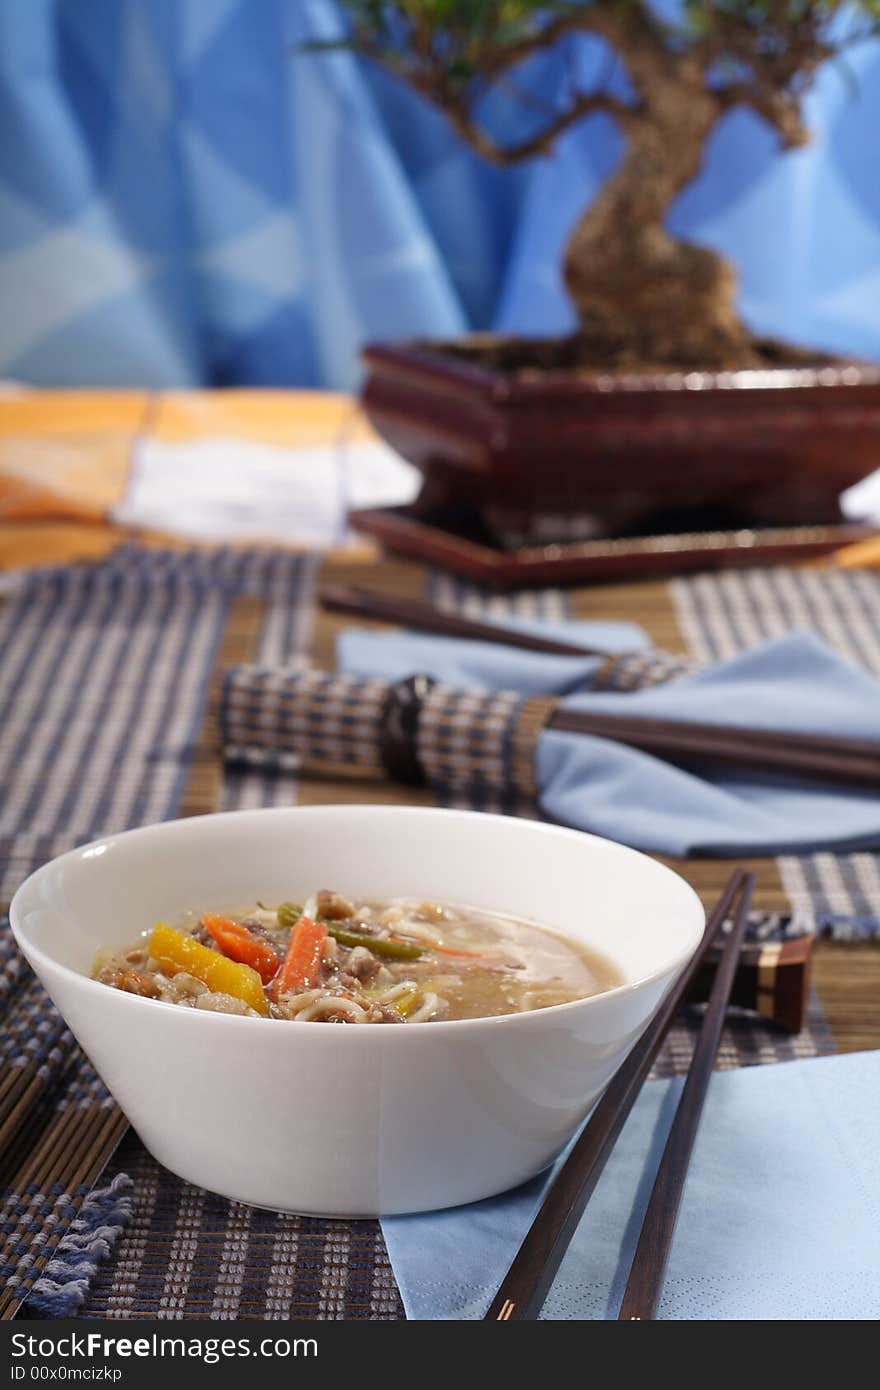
(356, 1010)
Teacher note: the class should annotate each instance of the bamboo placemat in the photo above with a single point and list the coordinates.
(186, 1253)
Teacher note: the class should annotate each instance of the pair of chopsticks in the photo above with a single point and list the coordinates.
(815, 757)
(527, 1282)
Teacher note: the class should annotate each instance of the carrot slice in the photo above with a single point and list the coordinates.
(451, 951)
(238, 943)
(301, 967)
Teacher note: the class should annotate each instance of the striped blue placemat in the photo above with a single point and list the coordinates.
(105, 672)
(836, 895)
(105, 678)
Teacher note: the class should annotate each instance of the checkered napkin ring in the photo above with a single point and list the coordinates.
(461, 742)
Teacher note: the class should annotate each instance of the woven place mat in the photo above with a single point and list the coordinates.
(837, 895)
(122, 678)
(106, 706)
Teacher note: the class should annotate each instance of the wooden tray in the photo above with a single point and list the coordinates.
(401, 530)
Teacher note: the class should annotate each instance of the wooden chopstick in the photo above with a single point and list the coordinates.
(528, 1280)
(763, 738)
(819, 757)
(645, 1280)
(853, 762)
(427, 617)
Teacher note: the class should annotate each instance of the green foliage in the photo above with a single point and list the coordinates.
(457, 37)
(469, 35)
(761, 52)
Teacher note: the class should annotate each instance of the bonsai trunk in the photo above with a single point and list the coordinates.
(644, 298)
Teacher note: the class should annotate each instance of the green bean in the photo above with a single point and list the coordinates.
(290, 913)
(379, 945)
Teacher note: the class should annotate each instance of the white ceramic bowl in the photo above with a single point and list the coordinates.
(357, 1120)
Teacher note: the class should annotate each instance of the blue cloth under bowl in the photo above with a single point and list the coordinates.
(780, 1216)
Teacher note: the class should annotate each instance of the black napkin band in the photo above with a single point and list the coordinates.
(399, 735)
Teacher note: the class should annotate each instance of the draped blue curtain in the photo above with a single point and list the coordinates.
(187, 199)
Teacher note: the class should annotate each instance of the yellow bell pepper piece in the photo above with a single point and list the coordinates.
(176, 951)
(405, 1004)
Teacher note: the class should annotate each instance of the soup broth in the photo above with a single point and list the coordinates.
(334, 960)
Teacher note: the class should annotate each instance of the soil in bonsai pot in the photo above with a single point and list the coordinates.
(601, 351)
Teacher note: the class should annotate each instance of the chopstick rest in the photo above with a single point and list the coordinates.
(772, 979)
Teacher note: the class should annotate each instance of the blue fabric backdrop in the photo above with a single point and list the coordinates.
(185, 199)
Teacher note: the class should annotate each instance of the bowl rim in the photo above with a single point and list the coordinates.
(35, 953)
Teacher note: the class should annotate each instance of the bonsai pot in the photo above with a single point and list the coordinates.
(630, 452)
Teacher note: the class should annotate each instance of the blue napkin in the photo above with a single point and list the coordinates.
(791, 683)
(487, 665)
(780, 1216)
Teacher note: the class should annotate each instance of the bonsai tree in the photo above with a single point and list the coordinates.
(642, 296)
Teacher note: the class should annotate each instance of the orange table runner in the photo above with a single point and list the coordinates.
(66, 456)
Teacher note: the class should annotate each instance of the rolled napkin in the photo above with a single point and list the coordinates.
(793, 683)
(479, 735)
(467, 743)
(778, 1217)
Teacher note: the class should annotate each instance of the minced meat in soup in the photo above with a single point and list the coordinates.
(331, 960)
